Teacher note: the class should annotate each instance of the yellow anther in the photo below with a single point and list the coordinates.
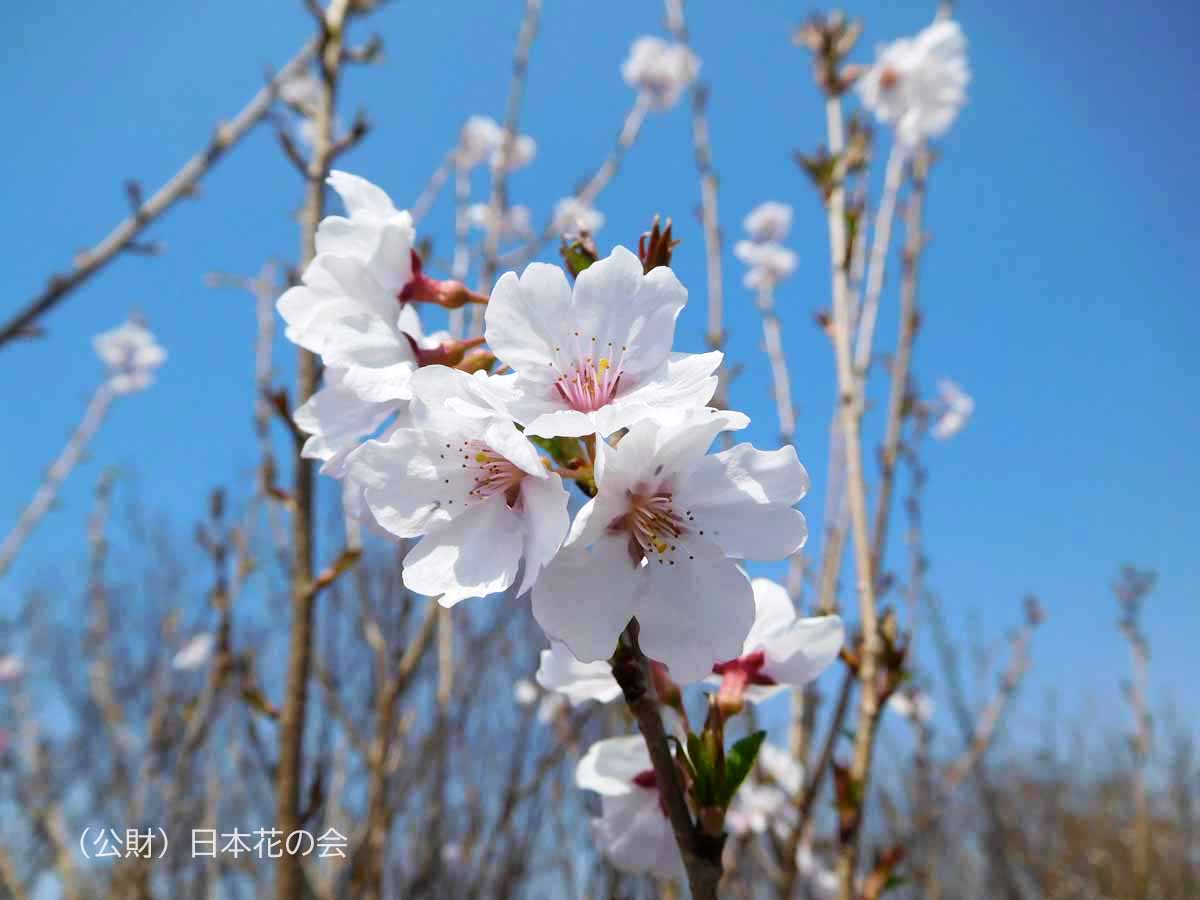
(604, 364)
(481, 457)
(660, 546)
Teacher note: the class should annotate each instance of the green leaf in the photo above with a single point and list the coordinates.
(738, 763)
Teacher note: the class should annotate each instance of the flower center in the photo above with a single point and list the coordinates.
(588, 379)
(492, 472)
(652, 524)
(889, 78)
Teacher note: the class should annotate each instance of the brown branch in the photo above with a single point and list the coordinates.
(290, 777)
(700, 851)
(182, 184)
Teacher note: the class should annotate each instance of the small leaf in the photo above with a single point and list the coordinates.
(738, 763)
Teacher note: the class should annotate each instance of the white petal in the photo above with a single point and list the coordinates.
(804, 649)
(610, 765)
(361, 196)
(635, 836)
(405, 479)
(194, 653)
(585, 599)
(474, 554)
(743, 474)
(615, 301)
(686, 381)
(543, 508)
(773, 611)
(748, 530)
(526, 317)
(695, 608)
(560, 671)
(560, 423)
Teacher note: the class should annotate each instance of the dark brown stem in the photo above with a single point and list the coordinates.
(701, 852)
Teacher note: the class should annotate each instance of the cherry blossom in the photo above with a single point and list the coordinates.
(633, 832)
(376, 234)
(515, 221)
(132, 356)
(526, 693)
(12, 667)
(769, 263)
(917, 706)
(820, 880)
(659, 71)
(520, 154)
(572, 216)
(477, 141)
(770, 221)
(578, 681)
(956, 410)
(195, 653)
(917, 85)
(770, 800)
(596, 358)
(660, 539)
(781, 649)
(468, 483)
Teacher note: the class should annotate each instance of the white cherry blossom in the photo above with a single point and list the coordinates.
(769, 263)
(477, 141)
(469, 484)
(917, 85)
(819, 878)
(376, 234)
(131, 354)
(195, 653)
(578, 681)
(572, 216)
(659, 71)
(768, 221)
(917, 706)
(596, 358)
(12, 667)
(956, 410)
(633, 832)
(781, 649)
(660, 539)
(515, 221)
(520, 154)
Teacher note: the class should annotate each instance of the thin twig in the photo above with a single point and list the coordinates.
(62, 467)
(182, 184)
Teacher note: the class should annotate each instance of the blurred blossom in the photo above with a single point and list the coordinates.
(572, 216)
(659, 71)
(12, 667)
(957, 406)
(131, 354)
(525, 692)
(769, 221)
(194, 654)
(633, 832)
(917, 85)
(521, 154)
(914, 705)
(820, 880)
(769, 263)
(578, 681)
(515, 222)
(480, 135)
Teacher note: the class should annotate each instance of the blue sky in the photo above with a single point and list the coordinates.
(1060, 286)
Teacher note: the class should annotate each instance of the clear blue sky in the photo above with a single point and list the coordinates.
(1060, 287)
